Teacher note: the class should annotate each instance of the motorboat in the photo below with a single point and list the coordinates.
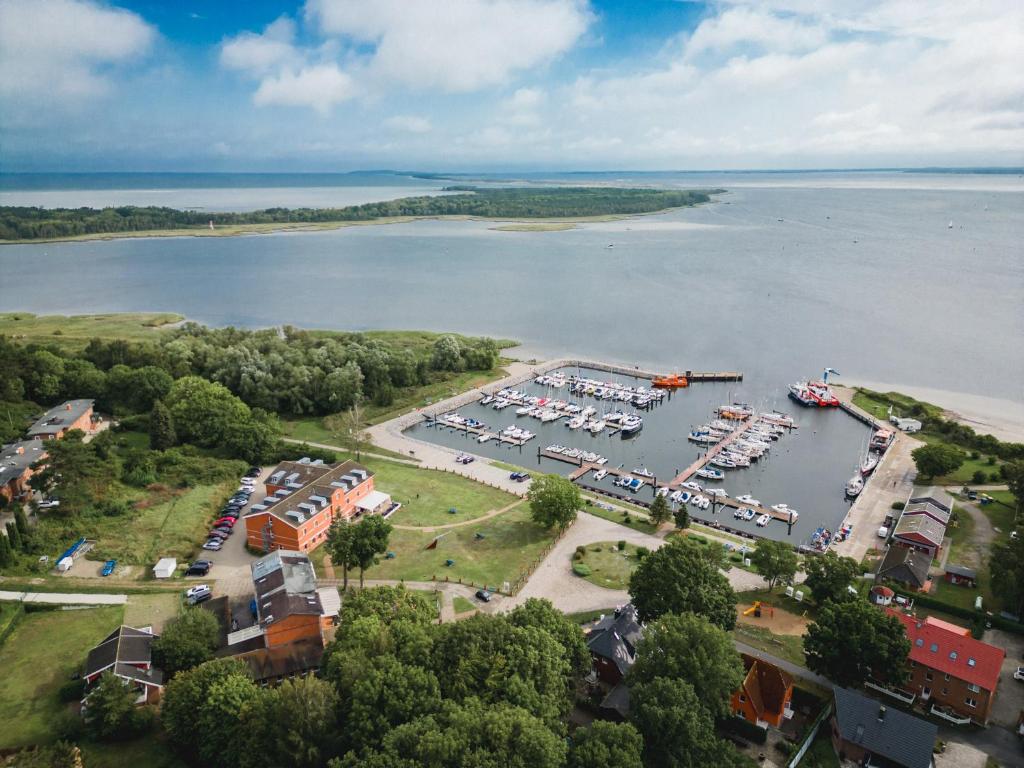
(724, 463)
(692, 486)
(738, 514)
(576, 422)
(635, 484)
(736, 458)
(524, 410)
(717, 493)
(684, 497)
(675, 496)
(710, 474)
(595, 427)
(763, 520)
(485, 437)
(748, 514)
(631, 425)
(786, 510)
(854, 486)
(642, 472)
(702, 438)
(746, 498)
(663, 491)
(601, 474)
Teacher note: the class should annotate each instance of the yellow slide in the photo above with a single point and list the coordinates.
(751, 609)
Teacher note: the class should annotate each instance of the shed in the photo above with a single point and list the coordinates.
(165, 568)
(375, 502)
(881, 595)
(961, 574)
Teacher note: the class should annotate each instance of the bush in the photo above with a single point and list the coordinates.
(72, 690)
(138, 422)
(581, 550)
(114, 507)
(898, 505)
(785, 747)
(581, 569)
(621, 545)
(994, 477)
(642, 552)
(991, 461)
(293, 452)
(736, 558)
(978, 477)
(975, 455)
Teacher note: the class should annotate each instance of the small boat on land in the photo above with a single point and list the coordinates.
(601, 474)
(854, 486)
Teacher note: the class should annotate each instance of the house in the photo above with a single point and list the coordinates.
(61, 419)
(16, 462)
(304, 497)
(881, 595)
(907, 425)
(919, 532)
(961, 574)
(272, 666)
(906, 566)
(933, 511)
(950, 670)
(764, 696)
(932, 495)
(613, 643)
(287, 604)
(127, 653)
(868, 733)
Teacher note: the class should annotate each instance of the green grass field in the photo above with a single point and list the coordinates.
(511, 542)
(37, 660)
(609, 566)
(151, 751)
(462, 604)
(636, 522)
(788, 647)
(426, 495)
(74, 331)
(152, 610)
(821, 753)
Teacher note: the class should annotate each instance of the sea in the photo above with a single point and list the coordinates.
(899, 278)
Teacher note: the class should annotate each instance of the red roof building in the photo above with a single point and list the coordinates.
(950, 669)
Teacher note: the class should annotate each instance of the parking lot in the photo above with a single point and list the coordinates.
(1010, 694)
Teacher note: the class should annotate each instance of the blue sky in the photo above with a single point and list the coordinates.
(509, 84)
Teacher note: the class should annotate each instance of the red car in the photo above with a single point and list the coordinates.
(228, 521)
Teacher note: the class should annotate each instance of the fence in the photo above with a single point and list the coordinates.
(809, 738)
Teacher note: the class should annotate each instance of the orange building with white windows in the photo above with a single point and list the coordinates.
(304, 497)
(61, 419)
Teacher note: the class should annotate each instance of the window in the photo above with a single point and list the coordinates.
(934, 647)
(952, 655)
(919, 642)
(742, 698)
(945, 691)
(970, 702)
(928, 675)
(971, 662)
(973, 688)
(947, 677)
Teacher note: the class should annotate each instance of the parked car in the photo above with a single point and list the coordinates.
(519, 477)
(218, 534)
(213, 544)
(49, 504)
(108, 567)
(198, 594)
(1018, 674)
(199, 568)
(228, 521)
(483, 595)
(197, 589)
(253, 471)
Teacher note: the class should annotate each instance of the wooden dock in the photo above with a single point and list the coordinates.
(497, 436)
(713, 451)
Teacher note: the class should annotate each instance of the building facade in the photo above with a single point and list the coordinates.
(16, 462)
(764, 696)
(61, 419)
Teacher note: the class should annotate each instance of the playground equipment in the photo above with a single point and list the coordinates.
(436, 539)
(449, 562)
(757, 608)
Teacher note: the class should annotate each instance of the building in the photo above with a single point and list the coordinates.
(961, 574)
(919, 532)
(303, 499)
(950, 671)
(905, 566)
(613, 643)
(907, 425)
(127, 653)
(764, 696)
(881, 595)
(61, 419)
(165, 568)
(287, 605)
(931, 501)
(868, 733)
(16, 462)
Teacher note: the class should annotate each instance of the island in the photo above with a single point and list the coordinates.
(564, 204)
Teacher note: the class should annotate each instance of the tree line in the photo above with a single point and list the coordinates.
(31, 223)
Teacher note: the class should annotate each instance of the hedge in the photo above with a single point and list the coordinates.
(967, 613)
(746, 729)
(581, 569)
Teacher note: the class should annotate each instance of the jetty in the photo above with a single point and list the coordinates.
(713, 451)
(433, 421)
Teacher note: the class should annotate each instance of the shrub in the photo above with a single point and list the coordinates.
(975, 455)
(994, 477)
(72, 690)
(978, 477)
(898, 505)
(581, 569)
(991, 461)
(642, 552)
(581, 550)
(114, 507)
(736, 558)
(621, 545)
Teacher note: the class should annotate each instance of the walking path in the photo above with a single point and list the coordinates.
(340, 449)
(63, 598)
(474, 521)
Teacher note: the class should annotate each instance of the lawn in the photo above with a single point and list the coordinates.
(965, 474)
(960, 541)
(1002, 513)
(610, 567)
(152, 610)
(788, 647)
(37, 660)
(636, 522)
(74, 331)
(9, 613)
(311, 429)
(510, 543)
(151, 751)
(462, 604)
(426, 495)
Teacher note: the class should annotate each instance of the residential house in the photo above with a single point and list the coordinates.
(881, 595)
(949, 670)
(303, 499)
(127, 653)
(868, 733)
(613, 643)
(764, 696)
(61, 419)
(961, 574)
(920, 532)
(906, 566)
(16, 462)
(932, 495)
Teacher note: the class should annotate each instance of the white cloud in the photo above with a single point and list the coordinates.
(320, 87)
(462, 45)
(408, 123)
(64, 48)
(259, 53)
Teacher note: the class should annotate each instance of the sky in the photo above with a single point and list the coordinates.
(462, 85)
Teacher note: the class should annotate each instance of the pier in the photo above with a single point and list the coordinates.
(713, 451)
(434, 421)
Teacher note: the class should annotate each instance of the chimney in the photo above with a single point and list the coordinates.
(881, 714)
(67, 406)
(19, 450)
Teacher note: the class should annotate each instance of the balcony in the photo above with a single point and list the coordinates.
(949, 715)
(905, 696)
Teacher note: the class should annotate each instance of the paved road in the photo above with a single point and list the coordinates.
(64, 598)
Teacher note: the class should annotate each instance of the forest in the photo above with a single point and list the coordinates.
(34, 223)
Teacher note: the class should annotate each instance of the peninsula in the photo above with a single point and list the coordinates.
(32, 224)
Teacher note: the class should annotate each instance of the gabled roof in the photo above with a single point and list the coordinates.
(904, 739)
(951, 650)
(932, 495)
(905, 565)
(306, 489)
(616, 637)
(16, 458)
(765, 686)
(60, 417)
(962, 570)
(921, 529)
(125, 645)
(926, 508)
(297, 658)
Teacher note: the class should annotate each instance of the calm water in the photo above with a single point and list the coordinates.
(806, 469)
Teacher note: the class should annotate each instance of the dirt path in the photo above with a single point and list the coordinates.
(975, 552)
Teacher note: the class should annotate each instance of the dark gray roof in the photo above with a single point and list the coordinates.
(617, 700)
(616, 637)
(297, 658)
(285, 585)
(905, 565)
(16, 458)
(904, 739)
(151, 676)
(125, 645)
(932, 494)
(919, 507)
(962, 570)
(60, 417)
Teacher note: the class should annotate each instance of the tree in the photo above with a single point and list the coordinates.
(1014, 474)
(849, 641)
(690, 648)
(186, 641)
(229, 700)
(389, 604)
(161, 428)
(1006, 565)
(553, 501)
(340, 542)
(6, 555)
(348, 427)
(370, 539)
(447, 354)
(683, 577)
(204, 410)
(607, 745)
(21, 523)
(682, 517)
(543, 615)
(184, 698)
(14, 537)
(937, 459)
(385, 696)
(678, 731)
(660, 512)
(110, 713)
(294, 724)
(255, 439)
(75, 468)
(829, 575)
(775, 561)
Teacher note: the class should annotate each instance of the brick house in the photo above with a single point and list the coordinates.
(303, 499)
(868, 733)
(127, 653)
(920, 532)
(61, 419)
(16, 462)
(949, 669)
(613, 643)
(764, 696)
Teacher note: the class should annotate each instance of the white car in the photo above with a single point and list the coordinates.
(883, 532)
(49, 503)
(197, 589)
(1018, 674)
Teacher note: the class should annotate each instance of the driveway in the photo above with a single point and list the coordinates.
(1009, 701)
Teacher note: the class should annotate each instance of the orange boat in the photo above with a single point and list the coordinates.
(671, 381)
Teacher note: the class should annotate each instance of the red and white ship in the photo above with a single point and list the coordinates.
(813, 393)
